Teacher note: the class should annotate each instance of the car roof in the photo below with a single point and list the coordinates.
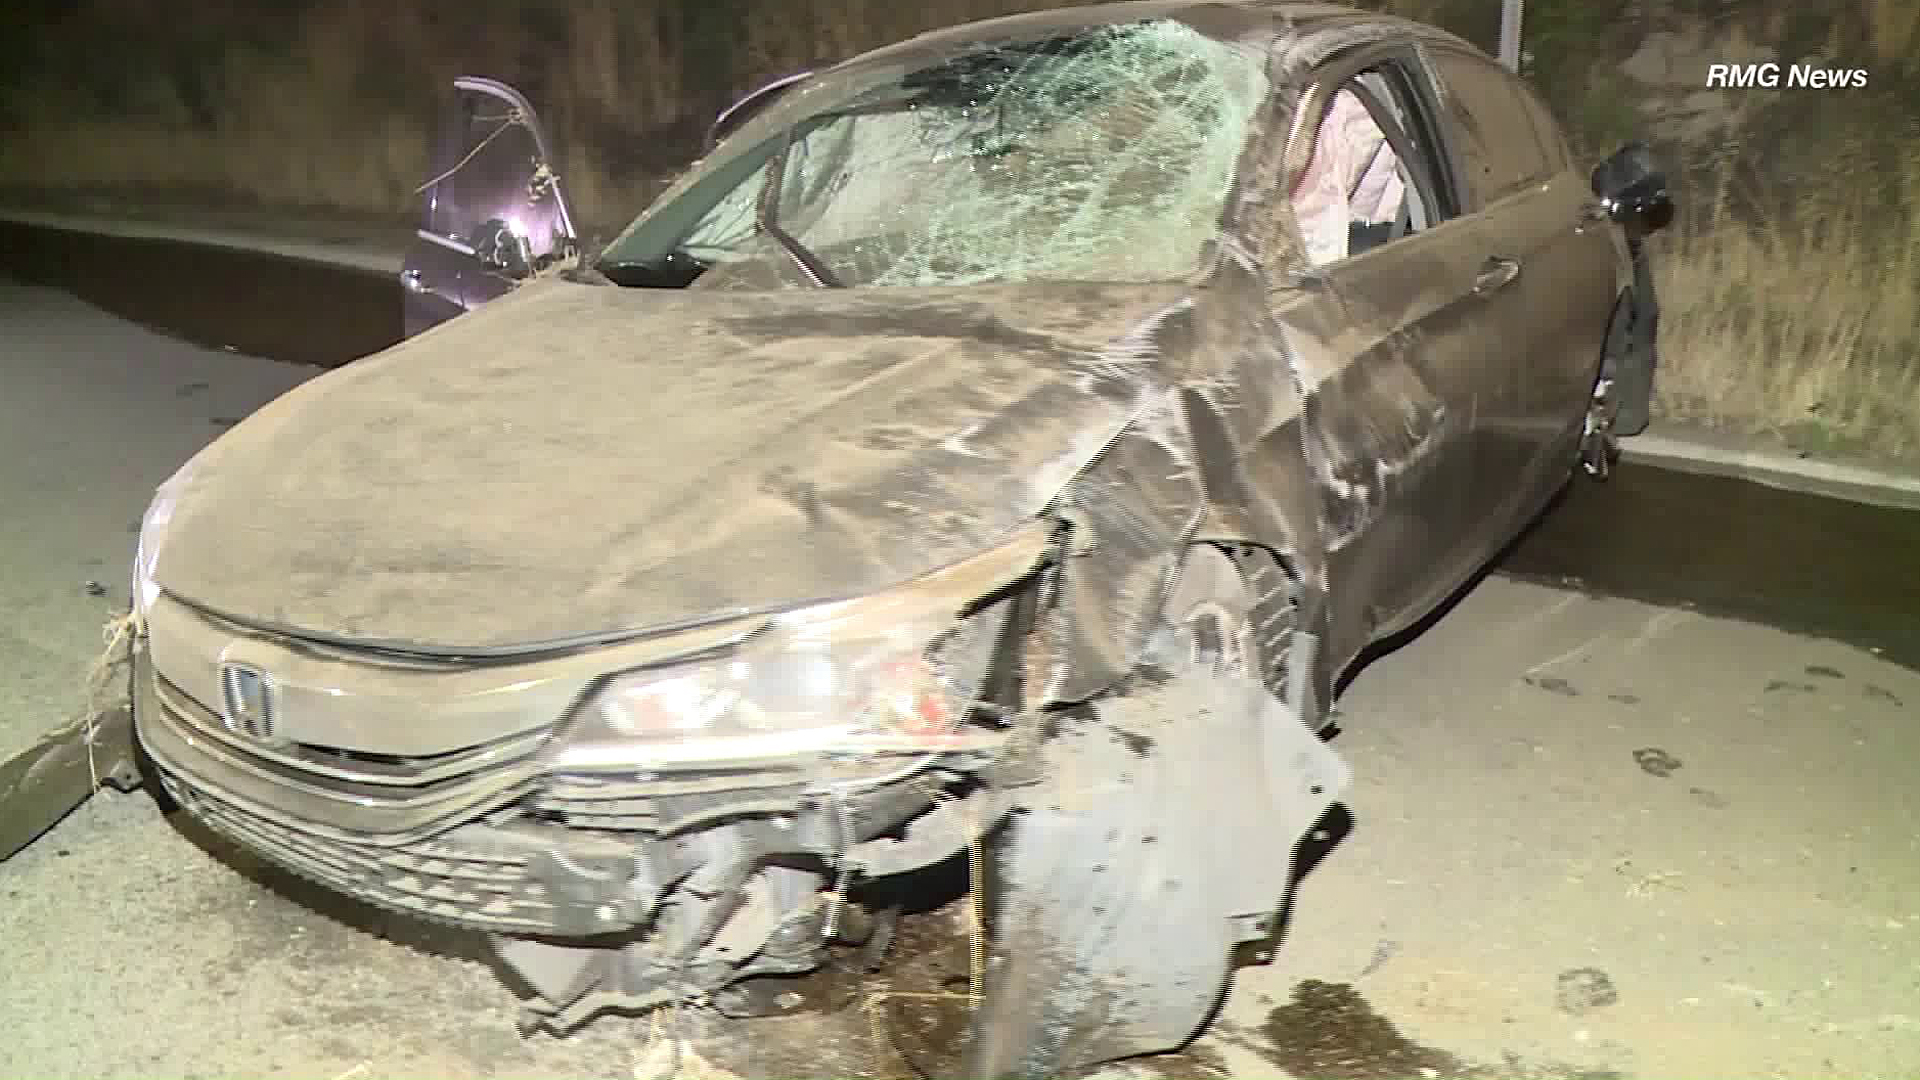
(1248, 21)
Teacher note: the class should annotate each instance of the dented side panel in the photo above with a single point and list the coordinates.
(1137, 504)
(1415, 391)
(1402, 366)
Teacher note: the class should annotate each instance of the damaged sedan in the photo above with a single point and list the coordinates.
(996, 448)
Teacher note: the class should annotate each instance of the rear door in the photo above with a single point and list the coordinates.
(1550, 324)
(492, 214)
(1391, 338)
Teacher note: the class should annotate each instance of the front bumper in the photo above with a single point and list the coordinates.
(427, 786)
(677, 887)
(429, 852)
(492, 849)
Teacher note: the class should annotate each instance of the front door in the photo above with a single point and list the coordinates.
(1390, 334)
(492, 214)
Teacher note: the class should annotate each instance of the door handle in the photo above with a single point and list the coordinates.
(410, 280)
(1497, 272)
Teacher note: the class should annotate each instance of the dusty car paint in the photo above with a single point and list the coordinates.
(424, 517)
(1272, 464)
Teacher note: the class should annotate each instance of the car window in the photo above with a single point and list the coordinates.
(1105, 155)
(1492, 125)
(1356, 190)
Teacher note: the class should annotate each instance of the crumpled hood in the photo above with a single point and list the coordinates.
(575, 462)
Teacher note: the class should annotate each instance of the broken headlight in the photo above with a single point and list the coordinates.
(894, 674)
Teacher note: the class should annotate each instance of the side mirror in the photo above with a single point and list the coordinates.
(1633, 190)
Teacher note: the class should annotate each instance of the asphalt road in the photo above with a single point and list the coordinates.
(1591, 836)
(94, 413)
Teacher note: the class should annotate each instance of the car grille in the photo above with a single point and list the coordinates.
(666, 805)
(386, 799)
(351, 771)
(471, 877)
(440, 838)
(474, 838)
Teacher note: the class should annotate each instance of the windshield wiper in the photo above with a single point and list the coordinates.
(765, 214)
(674, 270)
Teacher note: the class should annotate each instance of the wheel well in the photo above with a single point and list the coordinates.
(1276, 607)
(1036, 648)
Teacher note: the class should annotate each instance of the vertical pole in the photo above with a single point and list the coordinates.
(1510, 34)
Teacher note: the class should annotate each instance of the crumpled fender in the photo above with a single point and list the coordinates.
(1129, 514)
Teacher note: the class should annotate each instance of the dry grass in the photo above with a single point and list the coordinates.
(367, 172)
(336, 109)
(1807, 328)
(1892, 26)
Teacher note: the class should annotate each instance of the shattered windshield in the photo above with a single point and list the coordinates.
(1101, 156)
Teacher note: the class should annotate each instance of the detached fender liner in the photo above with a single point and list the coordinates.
(1632, 348)
(1163, 835)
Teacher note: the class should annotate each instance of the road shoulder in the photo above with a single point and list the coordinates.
(1690, 448)
(356, 243)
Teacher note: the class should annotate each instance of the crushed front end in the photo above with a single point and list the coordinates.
(658, 820)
